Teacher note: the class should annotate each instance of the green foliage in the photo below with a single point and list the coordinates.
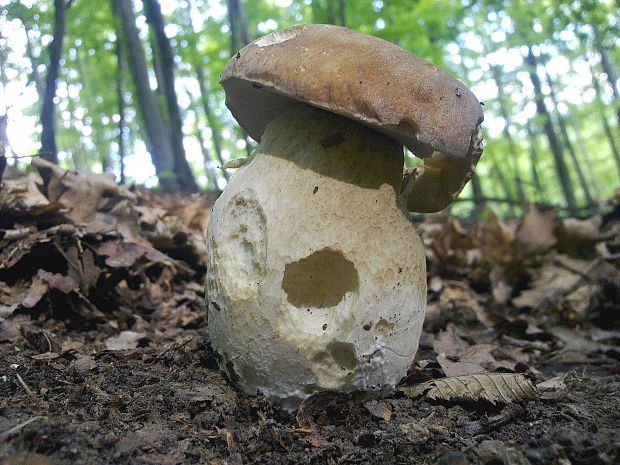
(480, 41)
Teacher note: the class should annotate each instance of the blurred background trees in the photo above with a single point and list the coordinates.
(132, 86)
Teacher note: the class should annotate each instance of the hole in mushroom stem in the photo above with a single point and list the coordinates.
(384, 327)
(344, 354)
(319, 280)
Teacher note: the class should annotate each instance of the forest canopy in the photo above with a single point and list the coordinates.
(131, 87)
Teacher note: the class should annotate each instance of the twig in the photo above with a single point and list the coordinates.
(23, 424)
(13, 234)
(26, 387)
(22, 156)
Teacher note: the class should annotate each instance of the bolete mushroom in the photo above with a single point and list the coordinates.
(316, 277)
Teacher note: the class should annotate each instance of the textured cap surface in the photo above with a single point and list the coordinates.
(358, 76)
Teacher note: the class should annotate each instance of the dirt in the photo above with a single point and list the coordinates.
(166, 403)
(105, 354)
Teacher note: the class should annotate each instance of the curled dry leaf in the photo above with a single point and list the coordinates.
(535, 234)
(79, 192)
(496, 388)
(552, 389)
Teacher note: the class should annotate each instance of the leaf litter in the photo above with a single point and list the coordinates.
(105, 355)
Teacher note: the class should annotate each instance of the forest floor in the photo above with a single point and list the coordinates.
(105, 355)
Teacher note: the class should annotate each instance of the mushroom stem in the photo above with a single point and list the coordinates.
(333, 146)
(316, 277)
(434, 184)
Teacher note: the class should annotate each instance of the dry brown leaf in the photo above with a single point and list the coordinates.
(81, 193)
(552, 281)
(9, 330)
(23, 294)
(535, 235)
(496, 388)
(379, 409)
(69, 346)
(84, 363)
(457, 358)
(578, 237)
(124, 341)
(552, 389)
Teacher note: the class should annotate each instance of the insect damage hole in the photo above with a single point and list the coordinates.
(319, 280)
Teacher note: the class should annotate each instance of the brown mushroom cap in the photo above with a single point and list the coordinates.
(358, 76)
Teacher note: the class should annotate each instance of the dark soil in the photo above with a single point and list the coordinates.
(167, 404)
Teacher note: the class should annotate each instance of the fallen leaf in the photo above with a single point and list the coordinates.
(535, 235)
(379, 409)
(84, 363)
(496, 388)
(124, 341)
(80, 192)
(46, 356)
(69, 346)
(552, 389)
(9, 330)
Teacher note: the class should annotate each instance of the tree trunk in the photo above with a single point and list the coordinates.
(211, 119)
(604, 122)
(479, 203)
(35, 76)
(581, 146)
(571, 150)
(554, 144)
(196, 62)
(611, 75)
(511, 144)
(533, 150)
(239, 33)
(239, 37)
(158, 142)
(48, 124)
(156, 20)
(121, 65)
(342, 13)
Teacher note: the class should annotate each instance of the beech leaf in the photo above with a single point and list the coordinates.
(496, 388)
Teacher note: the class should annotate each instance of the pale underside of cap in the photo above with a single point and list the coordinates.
(355, 75)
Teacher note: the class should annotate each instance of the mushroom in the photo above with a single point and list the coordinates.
(316, 277)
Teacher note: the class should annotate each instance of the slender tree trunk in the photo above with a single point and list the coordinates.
(604, 122)
(156, 20)
(121, 65)
(48, 124)
(158, 142)
(581, 146)
(512, 147)
(239, 33)
(479, 203)
(554, 144)
(533, 150)
(101, 147)
(216, 137)
(342, 13)
(567, 143)
(611, 75)
(239, 37)
(35, 76)
(206, 153)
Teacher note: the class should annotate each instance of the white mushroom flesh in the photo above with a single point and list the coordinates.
(316, 277)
